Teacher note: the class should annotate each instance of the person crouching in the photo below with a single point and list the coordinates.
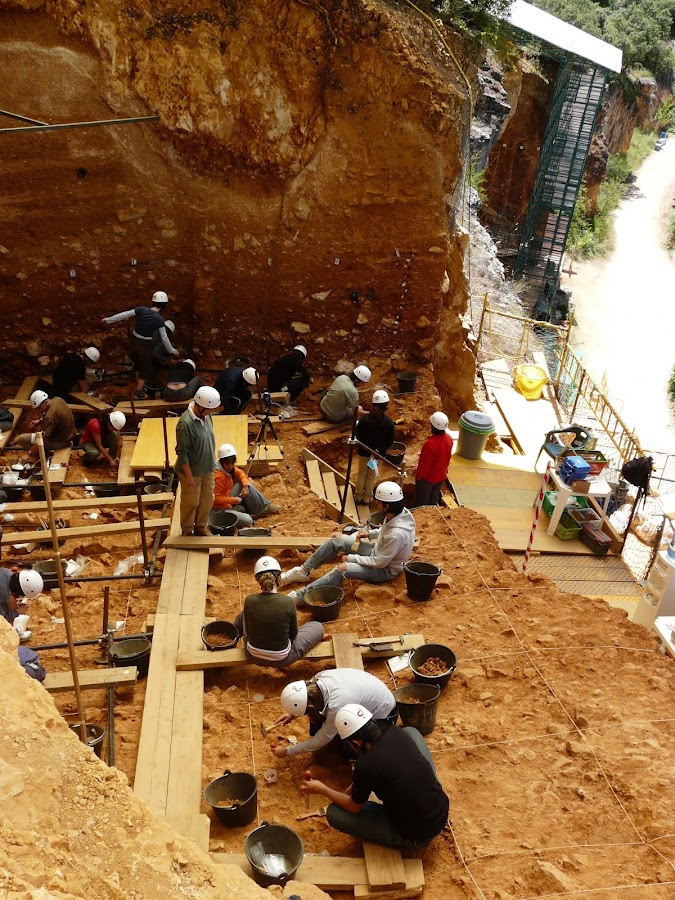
(234, 490)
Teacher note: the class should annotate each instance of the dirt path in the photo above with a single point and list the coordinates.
(624, 307)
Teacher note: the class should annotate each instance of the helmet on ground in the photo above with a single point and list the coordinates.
(267, 564)
(31, 583)
(362, 373)
(117, 419)
(207, 397)
(250, 375)
(351, 718)
(37, 398)
(170, 325)
(225, 451)
(388, 492)
(439, 420)
(159, 298)
(380, 397)
(294, 698)
(301, 349)
(191, 362)
(93, 354)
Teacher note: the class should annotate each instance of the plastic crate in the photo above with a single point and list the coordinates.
(597, 540)
(567, 529)
(585, 517)
(550, 498)
(573, 468)
(595, 458)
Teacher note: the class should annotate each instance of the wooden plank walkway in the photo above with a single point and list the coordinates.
(40, 506)
(149, 450)
(328, 484)
(81, 531)
(273, 542)
(58, 682)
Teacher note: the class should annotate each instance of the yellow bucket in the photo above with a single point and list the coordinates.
(530, 380)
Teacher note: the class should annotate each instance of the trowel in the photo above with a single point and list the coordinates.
(379, 645)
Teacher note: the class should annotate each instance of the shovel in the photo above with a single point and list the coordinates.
(319, 813)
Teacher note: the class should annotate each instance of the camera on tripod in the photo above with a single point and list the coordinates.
(267, 402)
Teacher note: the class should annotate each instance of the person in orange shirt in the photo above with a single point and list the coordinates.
(432, 468)
(235, 491)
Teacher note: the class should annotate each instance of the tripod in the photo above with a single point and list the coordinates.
(261, 439)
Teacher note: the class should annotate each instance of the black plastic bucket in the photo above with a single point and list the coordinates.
(36, 486)
(406, 382)
(233, 786)
(254, 532)
(272, 848)
(220, 628)
(159, 488)
(417, 704)
(324, 602)
(14, 492)
(427, 651)
(223, 522)
(105, 488)
(132, 652)
(420, 579)
(47, 568)
(95, 736)
(396, 453)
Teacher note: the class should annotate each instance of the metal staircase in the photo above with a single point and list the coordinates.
(567, 140)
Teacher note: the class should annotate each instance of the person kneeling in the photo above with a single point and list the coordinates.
(102, 439)
(235, 491)
(395, 764)
(379, 563)
(269, 622)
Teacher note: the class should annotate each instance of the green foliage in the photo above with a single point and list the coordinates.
(641, 145)
(664, 114)
(478, 19)
(477, 180)
(670, 236)
(671, 386)
(585, 14)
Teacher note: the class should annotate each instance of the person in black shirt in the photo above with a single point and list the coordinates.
(289, 372)
(70, 373)
(375, 430)
(395, 764)
(234, 386)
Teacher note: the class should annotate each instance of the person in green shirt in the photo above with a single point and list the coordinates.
(269, 622)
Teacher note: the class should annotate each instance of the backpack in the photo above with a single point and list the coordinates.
(6, 419)
(638, 471)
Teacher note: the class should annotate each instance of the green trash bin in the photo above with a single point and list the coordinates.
(474, 429)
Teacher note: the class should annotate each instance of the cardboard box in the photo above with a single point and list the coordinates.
(580, 486)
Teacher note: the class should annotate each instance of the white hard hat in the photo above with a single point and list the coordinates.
(439, 420)
(226, 450)
(301, 349)
(37, 398)
(267, 564)
(380, 397)
(362, 373)
(92, 354)
(294, 698)
(117, 419)
(250, 375)
(31, 583)
(191, 362)
(159, 298)
(207, 397)
(388, 492)
(170, 325)
(351, 718)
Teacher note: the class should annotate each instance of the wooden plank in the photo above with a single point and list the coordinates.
(57, 682)
(58, 465)
(346, 655)
(197, 828)
(323, 425)
(332, 873)
(194, 596)
(267, 453)
(149, 450)
(330, 487)
(274, 542)
(149, 405)
(384, 867)
(23, 393)
(84, 531)
(39, 506)
(172, 588)
(92, 402)
(124, 473)
(205, 659)
(276, 396)
(314, 476)
(73, 407)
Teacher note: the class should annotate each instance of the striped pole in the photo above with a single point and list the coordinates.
(537, 510)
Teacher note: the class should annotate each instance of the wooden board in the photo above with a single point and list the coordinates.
(73, 407)
(332, 483)
(143, 407)
(149, 450)
(384, 867)
(335, 873)
(62, 459)
(196, 827)
(217, 659)
(194, 595)
(124, 473)
(346, 655)
(23, 393)
(276, 396)
(528, 420)
(92, 402)
(330, 487)
(58, 682)
(83, 531)
(40, 506)
(314, 476)
(274, 542)
(172, 588)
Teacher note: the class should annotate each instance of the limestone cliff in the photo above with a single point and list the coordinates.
(298, 182)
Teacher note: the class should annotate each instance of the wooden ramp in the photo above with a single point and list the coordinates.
(328, 485)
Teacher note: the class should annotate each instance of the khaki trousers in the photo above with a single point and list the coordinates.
(195, 502)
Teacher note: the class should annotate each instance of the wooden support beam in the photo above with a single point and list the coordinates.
(58, 682)
(125, 475)
(73, 407)
(346, 655)
(94, 403)
(24, 392)
(39, 506)
(330, 488)
(84, 531)
(218, 659)
(274, 542)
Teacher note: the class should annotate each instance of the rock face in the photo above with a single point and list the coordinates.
(299, 151)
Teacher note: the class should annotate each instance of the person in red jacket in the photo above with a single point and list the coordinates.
(432, 468)
(234, 490)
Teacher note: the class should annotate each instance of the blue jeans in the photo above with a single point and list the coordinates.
(372, 823)
(254, 503)
(328, 551)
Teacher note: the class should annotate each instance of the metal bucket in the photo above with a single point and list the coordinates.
(239, 786)
(275, 854)
(420, 579)
(324, 602)
(427, 651)
(221, 628)
(132, 652)
(223, 522)
(47, 568)
(95, 736)
(417, 704)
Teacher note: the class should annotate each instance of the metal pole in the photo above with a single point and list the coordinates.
(384, 459)
(111, 725)
(352, 444)
(141, 519)
(89, 642)
(486, 303)
(166, 445)
(104, 659)
(39, 439)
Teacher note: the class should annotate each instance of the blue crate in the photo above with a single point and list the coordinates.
(574, 468)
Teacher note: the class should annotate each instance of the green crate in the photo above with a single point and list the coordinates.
(567, 529)
(550, 498)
